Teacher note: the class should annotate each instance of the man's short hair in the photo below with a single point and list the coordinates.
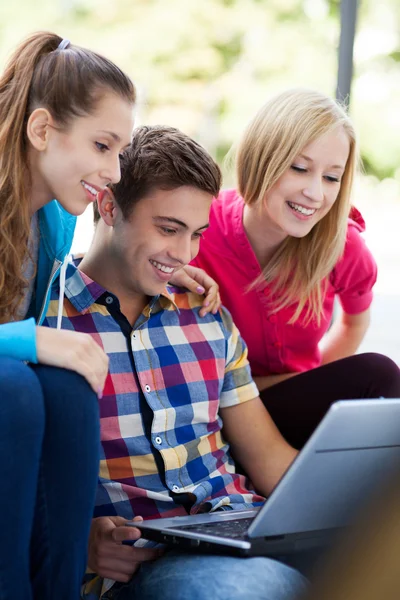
(162, 158)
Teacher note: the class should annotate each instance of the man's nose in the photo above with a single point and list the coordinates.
(182, 250)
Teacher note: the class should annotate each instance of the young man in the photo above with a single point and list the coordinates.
(175, 380)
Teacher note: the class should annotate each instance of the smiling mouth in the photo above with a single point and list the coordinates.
(161, 267)
(307, 212)
(89, 188)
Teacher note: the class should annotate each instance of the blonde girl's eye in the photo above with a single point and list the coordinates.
(332, 178)
(298, 169)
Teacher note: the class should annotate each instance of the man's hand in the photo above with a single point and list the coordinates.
(108, 557)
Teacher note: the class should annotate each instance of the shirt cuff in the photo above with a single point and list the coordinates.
(354, 305)
(239, 395)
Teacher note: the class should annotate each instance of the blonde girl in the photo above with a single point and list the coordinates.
(283, 246)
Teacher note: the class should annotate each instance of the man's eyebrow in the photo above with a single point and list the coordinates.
(177, 222)
(309, 159)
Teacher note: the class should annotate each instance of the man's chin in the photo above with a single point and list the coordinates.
(155, 290)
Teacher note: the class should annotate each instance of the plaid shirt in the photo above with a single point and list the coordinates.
(162, 452)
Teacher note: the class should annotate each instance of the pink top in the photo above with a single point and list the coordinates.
(274, 346)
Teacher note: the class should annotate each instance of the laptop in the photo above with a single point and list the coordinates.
(350, 454)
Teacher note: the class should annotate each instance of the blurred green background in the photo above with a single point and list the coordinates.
(206, 66)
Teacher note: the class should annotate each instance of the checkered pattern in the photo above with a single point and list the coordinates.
(180, 369)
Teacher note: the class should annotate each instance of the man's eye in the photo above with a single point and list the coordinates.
(168, 230)
(197, 236)
(101, 147)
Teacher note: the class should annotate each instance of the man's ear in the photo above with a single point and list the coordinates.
(107, 206)
(37, 128)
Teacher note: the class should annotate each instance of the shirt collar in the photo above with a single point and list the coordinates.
(83, 292)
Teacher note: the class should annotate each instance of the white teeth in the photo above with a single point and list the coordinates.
(161, 267)
(301, 209)
(91, 189)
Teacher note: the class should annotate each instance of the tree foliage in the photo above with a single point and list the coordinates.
(206, 65)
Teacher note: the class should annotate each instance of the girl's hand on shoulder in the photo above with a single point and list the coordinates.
(196, 280)
(74, 351)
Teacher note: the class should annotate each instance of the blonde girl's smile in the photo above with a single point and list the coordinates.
(301, 211)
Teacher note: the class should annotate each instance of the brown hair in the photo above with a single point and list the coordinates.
(162, 158)
(273, 139)
(68, 82)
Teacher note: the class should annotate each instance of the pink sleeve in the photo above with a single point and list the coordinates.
(355, 274)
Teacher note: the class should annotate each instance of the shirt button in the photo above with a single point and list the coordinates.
(272, 319)
(147, 388)
(109, 300)
(158, 440)
(175, 488)
(277, 345)
(134, 336)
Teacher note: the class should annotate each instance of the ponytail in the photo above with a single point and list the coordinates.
(15, 84)
(67, 81)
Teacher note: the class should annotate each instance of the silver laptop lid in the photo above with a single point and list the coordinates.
(356, 445)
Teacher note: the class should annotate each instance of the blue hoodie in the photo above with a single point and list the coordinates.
(56, 226)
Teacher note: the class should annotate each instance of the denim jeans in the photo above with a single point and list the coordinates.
(178, 576)
(49, 460)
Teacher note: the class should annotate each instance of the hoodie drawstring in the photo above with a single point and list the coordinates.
(63, 272)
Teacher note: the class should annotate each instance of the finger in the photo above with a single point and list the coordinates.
(206, 307)
(147, 554)
(191, 284)
(217, 305)
(212, 293)
(118, 575)
(86, 370)
(204, 311)
(214, 303)
(93, 366)
(100, 362)
(121, 534)
(206, 282)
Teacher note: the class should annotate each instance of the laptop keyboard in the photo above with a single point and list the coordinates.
(235, 529)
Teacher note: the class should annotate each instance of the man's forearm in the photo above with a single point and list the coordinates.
(257, 444)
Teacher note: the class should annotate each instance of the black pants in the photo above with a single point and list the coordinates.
(298, 404)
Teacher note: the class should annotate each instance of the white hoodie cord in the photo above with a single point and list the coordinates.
(63, 272)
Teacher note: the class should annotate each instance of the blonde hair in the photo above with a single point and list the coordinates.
(298, 269)
(68, 82)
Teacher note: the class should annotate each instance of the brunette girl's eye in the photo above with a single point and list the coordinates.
(101, 147)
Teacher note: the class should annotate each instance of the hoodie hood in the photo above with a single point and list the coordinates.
(56, 228)
(356, 219)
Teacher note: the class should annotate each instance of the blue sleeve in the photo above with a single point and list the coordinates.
(18, 340)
